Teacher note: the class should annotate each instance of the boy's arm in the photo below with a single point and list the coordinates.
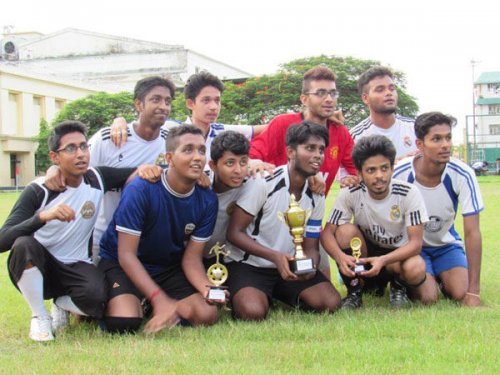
(192, 265)
(473, 247)
(344, 261)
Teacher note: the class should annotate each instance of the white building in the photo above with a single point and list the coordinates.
(40, 73)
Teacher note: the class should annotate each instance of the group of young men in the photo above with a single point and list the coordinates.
(151, 241)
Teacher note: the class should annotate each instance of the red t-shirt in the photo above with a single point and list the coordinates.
(269, 146)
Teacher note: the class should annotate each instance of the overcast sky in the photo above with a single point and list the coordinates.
(432, 42)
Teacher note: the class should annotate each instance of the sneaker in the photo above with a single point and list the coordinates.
(41, 329)
(60, 317)
(398, 297)
(352, 301)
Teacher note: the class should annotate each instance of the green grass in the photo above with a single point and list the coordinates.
(444, 338)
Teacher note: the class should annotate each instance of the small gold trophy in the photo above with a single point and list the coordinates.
(356, 253)
(217, 275)
(296, 218)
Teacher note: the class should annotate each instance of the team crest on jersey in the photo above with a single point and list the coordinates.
(395, 213)
(334, 152)
(88, 210)
(189, 228)
(435, 224)
(407, 141)
(160, 160)
(230, 208)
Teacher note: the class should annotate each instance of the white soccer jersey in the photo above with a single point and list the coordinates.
(382, 222)
(135, 152)
(458, 185)
(263, 198)
(402, 134)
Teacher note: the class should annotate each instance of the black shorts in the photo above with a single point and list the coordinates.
(375, 250)
(173, 281)
(82, 281)
(268, 281)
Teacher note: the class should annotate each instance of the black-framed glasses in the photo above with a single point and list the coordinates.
(71, 148)
(322, 93)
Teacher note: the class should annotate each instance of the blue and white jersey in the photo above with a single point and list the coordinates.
(401, 133)
(458, 185)
(383, 222)
(264, 198)
(163, 219)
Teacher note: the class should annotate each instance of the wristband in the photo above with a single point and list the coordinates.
(154, 295)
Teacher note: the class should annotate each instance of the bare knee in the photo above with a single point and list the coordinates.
(322, 297)
(345, 233)
(250, 306)
(413, 270)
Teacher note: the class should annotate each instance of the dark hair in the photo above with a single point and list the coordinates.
(374, 72)
(145, 85)
(426, 121)
(229, 140)
(298, 134)
(200, 80)
(317, 73)
(63, 128)
(173, 135)
(373, 145)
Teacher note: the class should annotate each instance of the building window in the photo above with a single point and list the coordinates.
(494, 109)
(495, 129)
(60, 104)
(494, 87)
(13, 124)
(38, 109)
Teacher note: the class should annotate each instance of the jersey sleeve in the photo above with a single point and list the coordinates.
(469, 195)
(346, 161)
(96, 150)
(205, 228)
(342, 210)
(114, 178)
(246, 130)
(131, 212)
(22, 220)
(313, 225)
(415, 213)
(253, 196)
(269, 146)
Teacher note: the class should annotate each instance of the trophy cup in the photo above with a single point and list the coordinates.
(296, 218)
(217, 275)
(355, 245)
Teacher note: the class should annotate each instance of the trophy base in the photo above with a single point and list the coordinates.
(302, 266)
(216, 294)
(360, 267)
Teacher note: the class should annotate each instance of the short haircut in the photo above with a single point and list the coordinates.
(370, 74)
(63, 128)
(172, 141)
(317, 73)
(370, 146)
(145, 85)
(426, 121)
(199, 81)
(229, 140)
(299, 134)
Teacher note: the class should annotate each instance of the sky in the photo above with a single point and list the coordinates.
(432, 42)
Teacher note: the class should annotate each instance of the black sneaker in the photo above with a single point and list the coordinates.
(352, 301)
(398, 297)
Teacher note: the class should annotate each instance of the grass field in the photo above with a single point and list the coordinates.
(443, 339)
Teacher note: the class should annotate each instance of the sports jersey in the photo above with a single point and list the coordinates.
(458, 185)
(269, 146)
(401, 133)
(227, 202)
(163, 219)
(68, 242)
(384, 221)
(263, 198)
(135, 152)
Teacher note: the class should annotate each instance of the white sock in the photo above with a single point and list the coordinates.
(66, 303)
(31, 287)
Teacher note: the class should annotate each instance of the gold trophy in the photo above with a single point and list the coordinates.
(355, 245)
(296, 218)
(217, 275)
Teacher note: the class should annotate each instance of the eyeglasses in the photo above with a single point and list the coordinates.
(71, 148)
(322, 93)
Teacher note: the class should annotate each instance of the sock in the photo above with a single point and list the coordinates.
(66, 303)
(31, 286)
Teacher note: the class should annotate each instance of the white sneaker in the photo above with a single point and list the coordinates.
(60, 317)
(41, 329)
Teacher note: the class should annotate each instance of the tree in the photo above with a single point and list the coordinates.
(95, 110)
(259, 99)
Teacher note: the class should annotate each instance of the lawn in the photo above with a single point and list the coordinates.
(443, 339)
